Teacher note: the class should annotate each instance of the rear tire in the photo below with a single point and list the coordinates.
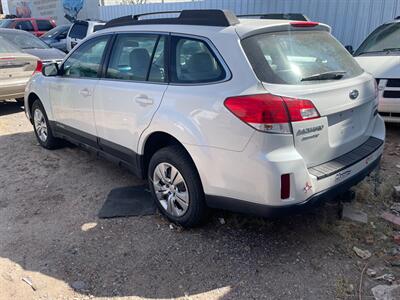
(176, 186)
(41, 126)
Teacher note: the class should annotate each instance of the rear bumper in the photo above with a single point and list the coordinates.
(12, 90)
(316, 199)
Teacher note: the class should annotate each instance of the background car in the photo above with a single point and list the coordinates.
(81, 29)
(16, 67)
(379, 54)
(36, 26)
(32, 45)
(57, 37)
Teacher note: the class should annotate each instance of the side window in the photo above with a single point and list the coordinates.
(158, 70)
(44, 25)
(85, 61)
(131, 57)
(78, 31)
(24, 25)
(194, 62)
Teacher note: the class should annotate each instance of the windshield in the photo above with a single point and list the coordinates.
(7, 47)
(382, 39)
(56, 31)
(299, 57)
(24, 40)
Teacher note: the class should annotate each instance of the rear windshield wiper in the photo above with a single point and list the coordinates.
(325, 76)
(391, 49)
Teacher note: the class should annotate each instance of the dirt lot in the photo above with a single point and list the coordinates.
(50, 233)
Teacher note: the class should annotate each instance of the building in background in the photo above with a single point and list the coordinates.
(62, 11)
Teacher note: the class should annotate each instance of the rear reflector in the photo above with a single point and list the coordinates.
(285, 186)
(39, 67)
(270, 113)
(304, 24)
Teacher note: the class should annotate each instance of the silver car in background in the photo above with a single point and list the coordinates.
(16, 67)
(29, 43)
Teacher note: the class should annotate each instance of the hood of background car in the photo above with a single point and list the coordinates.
(387, 66)
(46, 54)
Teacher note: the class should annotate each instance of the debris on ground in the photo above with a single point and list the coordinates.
(364, 254)
(386, 277)
(222, 221)
(78, 285)
(171, 227)
(386, 292)
(393, 219)
(396, 238)
(28, 281)
(397, 191)
(371, 272)
(351, 214)
(395, 208)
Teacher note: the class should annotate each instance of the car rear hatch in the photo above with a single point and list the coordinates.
(307, 63)
(15, 67)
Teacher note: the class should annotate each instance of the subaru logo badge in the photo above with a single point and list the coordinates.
(354, 94)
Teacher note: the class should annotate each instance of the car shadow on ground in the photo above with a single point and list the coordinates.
(9, 107)
(48, 196)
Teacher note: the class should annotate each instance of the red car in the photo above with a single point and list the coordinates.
(37, 26)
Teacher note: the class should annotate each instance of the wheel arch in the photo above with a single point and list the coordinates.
(156, 141)
(31, 99)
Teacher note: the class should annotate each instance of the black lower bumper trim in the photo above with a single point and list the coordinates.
(251, 208)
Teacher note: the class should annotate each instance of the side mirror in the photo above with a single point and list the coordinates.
(51, 69)
(350, 49)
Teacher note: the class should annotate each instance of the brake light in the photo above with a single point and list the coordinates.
(271, 113)
(304, 24)
(39, 67)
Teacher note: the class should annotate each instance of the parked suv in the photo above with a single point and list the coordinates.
(36, 26)
(379, 54)
(249, 115)
(81, 29)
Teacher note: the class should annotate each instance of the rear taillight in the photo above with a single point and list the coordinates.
(304, 24)
(39, 67)
(270, 113)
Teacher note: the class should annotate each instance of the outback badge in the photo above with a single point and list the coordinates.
(354, 94)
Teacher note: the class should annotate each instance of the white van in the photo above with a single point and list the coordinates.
(81, 29)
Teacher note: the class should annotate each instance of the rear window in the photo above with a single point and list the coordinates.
(293, 57)
(7, 47)
(78, 31)
(44, 25)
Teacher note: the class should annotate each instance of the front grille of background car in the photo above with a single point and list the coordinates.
(391, 94)
(393, 83)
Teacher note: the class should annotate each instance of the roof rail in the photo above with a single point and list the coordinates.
(205, 17)
(279, 16)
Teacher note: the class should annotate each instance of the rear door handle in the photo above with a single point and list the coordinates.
(143, 100)
(85, 92)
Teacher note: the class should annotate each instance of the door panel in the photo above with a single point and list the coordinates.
(125, 101)
(71, 93)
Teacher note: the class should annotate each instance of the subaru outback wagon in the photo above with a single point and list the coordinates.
(249, 115)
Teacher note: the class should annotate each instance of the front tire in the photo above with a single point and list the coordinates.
(41, 126)
(176, 186)
(20, 101)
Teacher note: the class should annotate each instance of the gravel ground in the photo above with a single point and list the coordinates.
(50, 235)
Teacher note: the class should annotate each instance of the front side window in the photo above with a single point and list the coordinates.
(78, 31)
(299, 57)
(44, 25)
(24, 25)
(132, 56)
(194, 62)
(85, 61)
(385, 38)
